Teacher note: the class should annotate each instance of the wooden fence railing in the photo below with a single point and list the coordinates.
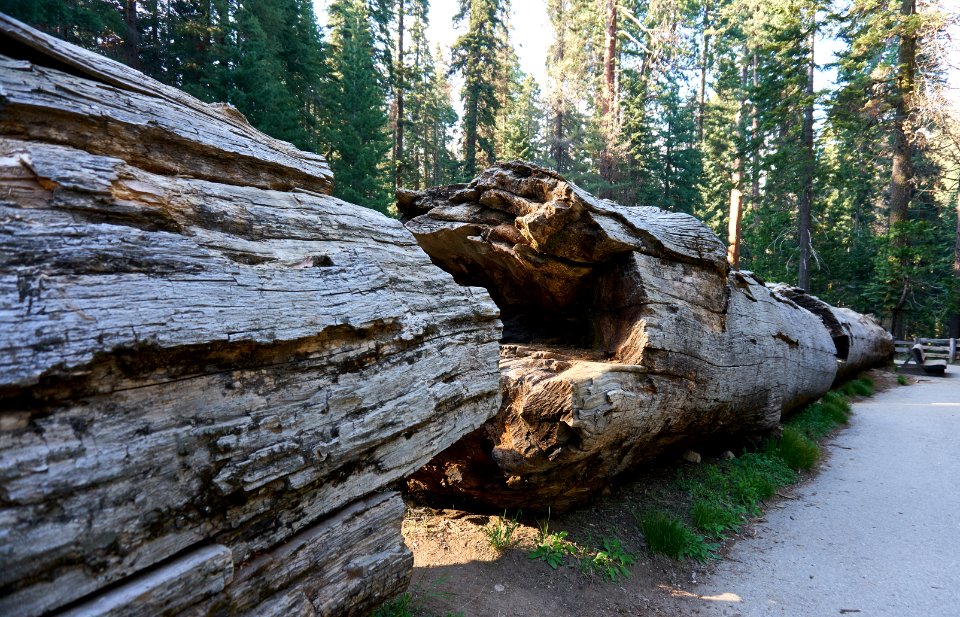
(941, 348)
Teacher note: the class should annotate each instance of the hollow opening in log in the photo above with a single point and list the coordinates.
(841, 338)
(583, 322)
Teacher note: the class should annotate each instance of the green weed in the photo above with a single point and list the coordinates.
(610, 561)
(405, 605)
(401, 606)
(552, 547)
(667, 534)
(500, 532)
(410, 604)
(902, 380)
(818, 419)
(858, 387)
(755, 476)
(794, 448)
(723, 494)
(714, 516)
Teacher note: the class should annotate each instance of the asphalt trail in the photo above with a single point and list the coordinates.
(876, 534)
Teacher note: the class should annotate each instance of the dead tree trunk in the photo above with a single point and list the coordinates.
(804, 223)
(735, 219)
(212, 370)
(625, 334)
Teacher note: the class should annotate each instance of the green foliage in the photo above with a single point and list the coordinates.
(519, 133)
(552, 548)
(95, 24)
(715, 516)
(794, 448)
(406, 605)
(743, 482)
(818, 419)
(611, 560)
(479, 56)
(401, 606)
(669, 148)
(667, 534)
(902, 380)
(858, 387)
(359, 140)
(724, 493)
(500, 531)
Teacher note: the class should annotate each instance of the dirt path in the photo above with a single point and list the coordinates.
(877, 533)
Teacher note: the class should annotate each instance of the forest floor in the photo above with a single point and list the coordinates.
(457, 570)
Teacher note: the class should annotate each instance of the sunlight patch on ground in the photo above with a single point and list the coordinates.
(723, 597)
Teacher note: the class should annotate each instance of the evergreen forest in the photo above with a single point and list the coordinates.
(847, 187)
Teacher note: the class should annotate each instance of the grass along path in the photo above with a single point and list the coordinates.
(655, 530)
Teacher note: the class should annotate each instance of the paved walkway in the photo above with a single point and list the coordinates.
(876, 534)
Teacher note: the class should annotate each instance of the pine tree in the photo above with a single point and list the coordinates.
(478, 56)
(519, 130)
(359, 140)
(257, 88)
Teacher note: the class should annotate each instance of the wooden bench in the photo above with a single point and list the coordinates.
(930, 367)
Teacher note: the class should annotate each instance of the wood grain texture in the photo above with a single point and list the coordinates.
(259, 359)
(190, 359)
(626, 336)
(860, 341)
(55, 91)
(165, 590)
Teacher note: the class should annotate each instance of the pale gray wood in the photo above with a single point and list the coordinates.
(861, 342)
(187, 360)
(630, 336)
(166, 590)
(344, 565)
(65, 94)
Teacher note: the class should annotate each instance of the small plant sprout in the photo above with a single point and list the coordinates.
(500, 531)
(902, 380)
(611, 561)
(551, 548)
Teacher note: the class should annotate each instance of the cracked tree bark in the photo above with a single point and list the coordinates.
(211, 369)
(860, 341)
(625, 334)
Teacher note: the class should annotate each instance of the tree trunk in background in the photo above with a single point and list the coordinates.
(955, 317)
(398, 144)
(901, 178)
(806, 196)
(608, 106)
(736, 191)
(755, 150)
(704, 60)
(131, 47)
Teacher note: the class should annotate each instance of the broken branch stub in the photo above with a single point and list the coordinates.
(625, 334)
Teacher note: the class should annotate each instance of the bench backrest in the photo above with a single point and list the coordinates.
(918, 354)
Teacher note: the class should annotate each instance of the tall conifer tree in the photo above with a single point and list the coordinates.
(359, 139)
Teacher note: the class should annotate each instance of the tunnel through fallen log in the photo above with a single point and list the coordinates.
(625, 334)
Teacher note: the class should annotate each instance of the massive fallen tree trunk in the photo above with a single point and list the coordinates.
(861, 342)
(625, 333)
(206, 384)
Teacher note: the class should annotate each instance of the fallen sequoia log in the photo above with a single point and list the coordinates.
(861, 342)
(625, 334)
(206, 383)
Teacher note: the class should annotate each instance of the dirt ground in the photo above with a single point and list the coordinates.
(458, 572)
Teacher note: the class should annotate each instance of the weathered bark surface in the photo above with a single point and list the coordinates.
(860, 341)
(205, 386)
(105, 107)
(625, 334)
